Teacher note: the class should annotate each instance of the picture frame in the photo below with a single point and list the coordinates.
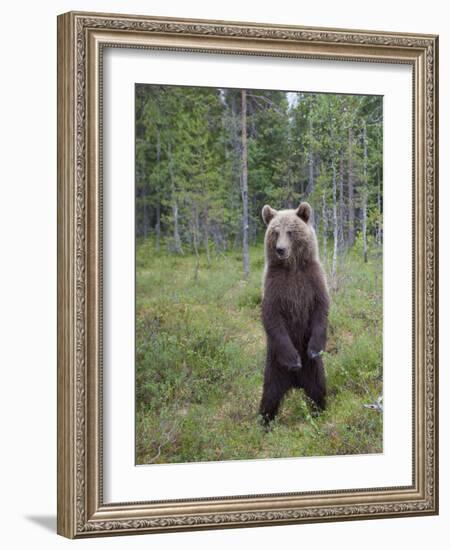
(82, 40)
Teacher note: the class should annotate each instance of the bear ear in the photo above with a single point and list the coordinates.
(304, 211)
(268, 213)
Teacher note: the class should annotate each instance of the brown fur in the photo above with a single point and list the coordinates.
(294, 309)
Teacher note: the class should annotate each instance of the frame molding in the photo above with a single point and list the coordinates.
(81, 37)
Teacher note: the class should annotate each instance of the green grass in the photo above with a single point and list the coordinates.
(200, 352)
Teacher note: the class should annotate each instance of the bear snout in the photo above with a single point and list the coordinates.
(281, 251)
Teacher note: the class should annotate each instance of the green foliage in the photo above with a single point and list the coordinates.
(199, 339)
(199, 363)
(189, 164)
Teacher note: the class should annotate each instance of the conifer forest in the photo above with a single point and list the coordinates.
(206, 161)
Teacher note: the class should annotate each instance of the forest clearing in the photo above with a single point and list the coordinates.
(207, 160)
(200, 352)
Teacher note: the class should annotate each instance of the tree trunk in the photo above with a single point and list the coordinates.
(364, 224)
(244, 183)
(364, 195)
(380, 214)
(176, 234)
(158, 205)
(206, 237)
(195, 241)
(335, 228)
(310, 186)
(324, 227)
(341, 235)
(351, 205)
(236, 141)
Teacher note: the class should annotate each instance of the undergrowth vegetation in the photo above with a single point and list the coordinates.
(200, 351)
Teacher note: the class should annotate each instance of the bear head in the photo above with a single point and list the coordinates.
(290, 237)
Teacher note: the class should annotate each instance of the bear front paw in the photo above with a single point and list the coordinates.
(313, 354)
(292, 362)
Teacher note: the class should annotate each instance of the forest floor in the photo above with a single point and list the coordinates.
(200, 350)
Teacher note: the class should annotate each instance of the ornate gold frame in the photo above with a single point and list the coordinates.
(81, 37)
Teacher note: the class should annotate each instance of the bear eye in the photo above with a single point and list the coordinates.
(289, 233)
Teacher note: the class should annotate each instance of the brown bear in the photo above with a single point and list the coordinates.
(294, 309)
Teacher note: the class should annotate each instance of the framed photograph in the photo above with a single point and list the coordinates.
(247, 274)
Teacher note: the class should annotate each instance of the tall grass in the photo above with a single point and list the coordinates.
(200, 352)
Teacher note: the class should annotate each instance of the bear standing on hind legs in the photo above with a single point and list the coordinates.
(294, 309)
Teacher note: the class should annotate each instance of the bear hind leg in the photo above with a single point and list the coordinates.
(275, 387)
(314, 383)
